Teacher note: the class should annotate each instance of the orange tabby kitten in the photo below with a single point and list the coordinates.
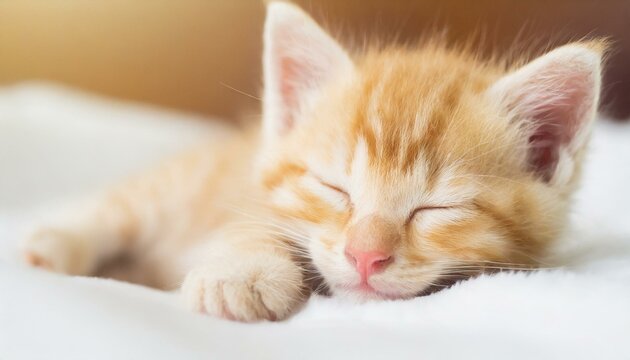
(382, 174)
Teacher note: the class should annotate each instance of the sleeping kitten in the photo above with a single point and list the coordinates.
(380, 175)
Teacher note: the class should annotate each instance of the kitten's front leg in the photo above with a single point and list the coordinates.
(248, 281)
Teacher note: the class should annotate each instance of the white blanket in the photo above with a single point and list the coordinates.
(56, 143)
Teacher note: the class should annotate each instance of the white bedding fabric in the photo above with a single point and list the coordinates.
(56, 143)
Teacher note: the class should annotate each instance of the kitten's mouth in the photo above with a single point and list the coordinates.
(369, 292)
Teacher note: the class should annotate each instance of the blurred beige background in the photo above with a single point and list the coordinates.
(186, 54)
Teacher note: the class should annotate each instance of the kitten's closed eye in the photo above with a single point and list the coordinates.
(420, 209)
(334, 189)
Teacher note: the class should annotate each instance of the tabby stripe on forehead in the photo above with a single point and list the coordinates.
(395, 134)
(361, 129)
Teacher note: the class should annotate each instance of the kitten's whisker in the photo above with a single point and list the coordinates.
(272, 224)
(264, 230)
(281, 236)
(240, 91)
(266, 221)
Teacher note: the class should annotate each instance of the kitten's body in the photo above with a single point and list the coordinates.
(394, 171)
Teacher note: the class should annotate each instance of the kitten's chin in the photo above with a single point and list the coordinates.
(368, 293)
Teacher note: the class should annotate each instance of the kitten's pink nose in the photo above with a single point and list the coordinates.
(368, 262)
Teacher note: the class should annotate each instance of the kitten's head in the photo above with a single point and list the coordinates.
(410, 168)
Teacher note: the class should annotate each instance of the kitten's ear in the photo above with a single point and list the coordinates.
(555, 99)
(298, 58)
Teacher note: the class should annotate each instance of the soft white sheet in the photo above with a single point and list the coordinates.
(56, 143)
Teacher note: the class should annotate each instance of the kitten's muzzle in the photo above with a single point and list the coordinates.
(370, 246)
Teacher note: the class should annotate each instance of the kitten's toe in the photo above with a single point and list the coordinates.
(36, 260)
(249, 293)
(56, 250)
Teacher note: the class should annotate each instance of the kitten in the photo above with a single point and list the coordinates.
(384, 174)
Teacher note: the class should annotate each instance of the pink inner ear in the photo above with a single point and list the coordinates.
(543, 154)
(557, 112)
(289, 71)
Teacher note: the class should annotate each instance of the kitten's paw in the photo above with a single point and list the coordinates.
(57, 250)
(246, 289)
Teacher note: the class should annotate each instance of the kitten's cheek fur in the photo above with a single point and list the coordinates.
(250, 288)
